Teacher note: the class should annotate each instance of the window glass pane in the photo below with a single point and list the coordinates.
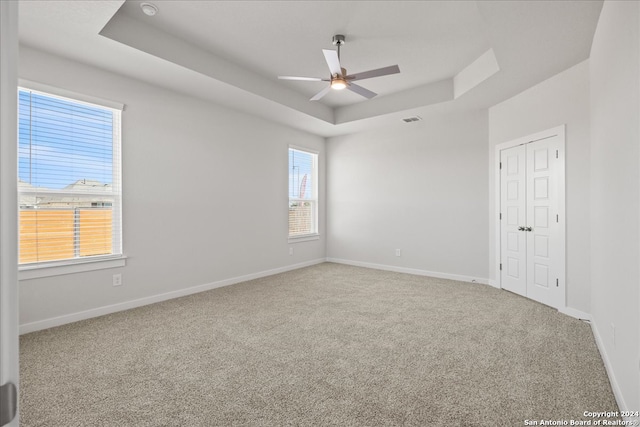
(300, 174)
(302, 193)
(67, 184)
(63, 144)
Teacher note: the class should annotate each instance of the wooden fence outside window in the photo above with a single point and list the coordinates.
(59, 234)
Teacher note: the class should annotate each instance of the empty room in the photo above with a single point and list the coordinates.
(341, 213)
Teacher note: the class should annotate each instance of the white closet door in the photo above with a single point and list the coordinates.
(530, 236)
(513, 208)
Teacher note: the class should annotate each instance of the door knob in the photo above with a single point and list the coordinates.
(528, 229)
(521, 229)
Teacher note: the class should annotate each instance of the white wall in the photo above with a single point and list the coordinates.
(562, 99)
(615, 194)
(204, 194)
(419, 187)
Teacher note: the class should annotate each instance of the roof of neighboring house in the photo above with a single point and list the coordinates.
(88, 185)
(83, 190)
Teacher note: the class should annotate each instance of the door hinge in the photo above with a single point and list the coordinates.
(557, 283)
(500, 165)
(500, 266)
(8, 403)
(557, 218)
(556, 154)
(500, 215)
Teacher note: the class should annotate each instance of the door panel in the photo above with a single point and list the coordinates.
(541, 275)
(513, 206)
(540, 217)
(542, 208)
(541, 188)
(541, 246)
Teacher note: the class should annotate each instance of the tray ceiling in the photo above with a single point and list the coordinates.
(231, 52)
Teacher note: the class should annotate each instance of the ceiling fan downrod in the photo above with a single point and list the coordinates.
(338, 40)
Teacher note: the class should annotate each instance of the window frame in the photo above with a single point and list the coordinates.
(40, 269)
(315, 235)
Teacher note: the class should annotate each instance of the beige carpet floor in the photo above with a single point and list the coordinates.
(324, 345)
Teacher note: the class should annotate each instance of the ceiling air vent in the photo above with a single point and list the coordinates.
(412, 119)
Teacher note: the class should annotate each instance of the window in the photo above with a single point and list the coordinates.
(68, 180)
(303, 194)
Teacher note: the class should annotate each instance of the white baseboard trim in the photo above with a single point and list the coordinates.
(494, 283)
(414, 271)
(126, 305)
(580, 315)
(612, 378)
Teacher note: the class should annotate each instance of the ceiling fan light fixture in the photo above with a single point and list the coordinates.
(338, 83)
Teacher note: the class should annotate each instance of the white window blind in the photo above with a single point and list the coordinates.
(69, 184)
(303, 190)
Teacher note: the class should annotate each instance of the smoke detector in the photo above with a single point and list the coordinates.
(149, 9)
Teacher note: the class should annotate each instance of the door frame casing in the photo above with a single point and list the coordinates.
(561, 302)
(9, 341)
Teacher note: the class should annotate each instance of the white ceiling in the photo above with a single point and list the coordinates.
(231, 52)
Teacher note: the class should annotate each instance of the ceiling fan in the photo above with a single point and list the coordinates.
(339, 77)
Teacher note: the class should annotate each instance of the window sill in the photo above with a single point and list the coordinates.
(59, 268)
(304, 238)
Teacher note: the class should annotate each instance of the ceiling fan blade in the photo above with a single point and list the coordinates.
(331, 56)
(393, 69)
(320, 94)
(306, 79)
(360, 90)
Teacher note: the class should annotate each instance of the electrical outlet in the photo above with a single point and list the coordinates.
(290, 251)
(398, 252)
(117, 279)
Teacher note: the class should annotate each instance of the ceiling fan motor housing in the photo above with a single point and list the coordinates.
(338, 40)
